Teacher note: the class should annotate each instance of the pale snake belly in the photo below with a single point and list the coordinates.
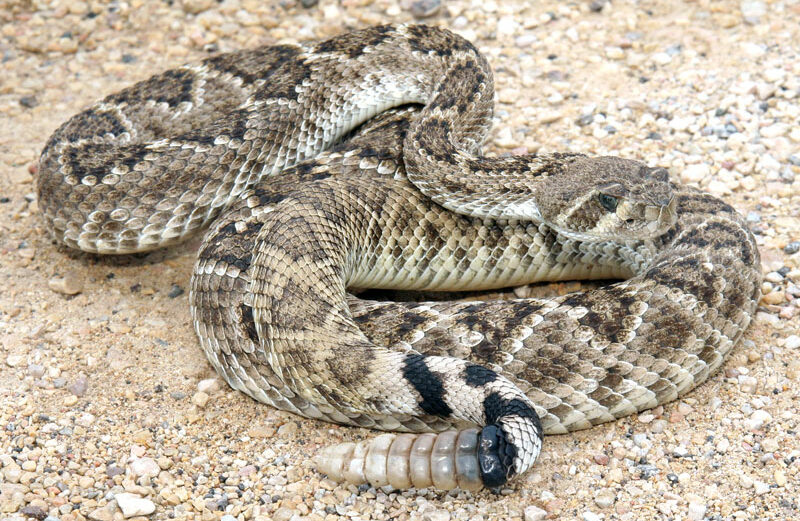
(404, 203)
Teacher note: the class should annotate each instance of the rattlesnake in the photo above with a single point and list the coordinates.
(404, 201)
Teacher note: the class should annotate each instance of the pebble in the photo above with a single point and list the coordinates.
(175, 291)
(641, 441)
(605, 498)
(200, 399)
(14, 360)
(134, 505)
(534, 513)
(288, 430)
(697, 511)
(197, 6)
(437, 515)
(101, 514)
(591, 516)
(114, 470)
(760, 487)
(758, 420)
(208, 386)
(424, 8)
(695, 173)
(283, 514)
(69, 284)
(792, 342)
(753, 9)
(144, 467)
(79, 386)
(36, 370)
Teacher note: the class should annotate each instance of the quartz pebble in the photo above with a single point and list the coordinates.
(69, 284)
(604, 498)
(758, 420)
(423, 8)
(133, 505)
(697, 511)
(200, 399)
(208, 386)
(144, 467)
(534, 513)
(792, 342)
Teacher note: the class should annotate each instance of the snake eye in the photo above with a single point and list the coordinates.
(609, 202)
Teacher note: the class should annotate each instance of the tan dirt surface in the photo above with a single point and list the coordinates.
(105, 406)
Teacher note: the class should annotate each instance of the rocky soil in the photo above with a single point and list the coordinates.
(108, 409)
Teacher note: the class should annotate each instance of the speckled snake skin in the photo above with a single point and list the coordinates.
(354, 163)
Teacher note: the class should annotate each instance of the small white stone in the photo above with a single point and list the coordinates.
(774, 130)
(758, 420)
(144, 467)
(615, 53)
(438, 515)
(550, 116)
(590, 516)
(681, 124)
(697, 511)
(505, 138)
(641, 441)
(747, 384)
(14, 360)
(761, 488)
(533, 513)
(695, 173)
(753, 8)
(525, 40)
(765, 90)
(208, 386)
(792, 342)
(331, 12)
(718, 187)
(133, 505)
(605, 498)
(85, 420)
(722, 446)
(572, 34)
(774, 75)
(753, 50)
(661, 58)
(507, 25)
(774, 277)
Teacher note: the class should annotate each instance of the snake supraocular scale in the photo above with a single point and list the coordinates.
(370, 195)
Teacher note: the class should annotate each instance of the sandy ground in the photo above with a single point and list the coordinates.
(105, 407)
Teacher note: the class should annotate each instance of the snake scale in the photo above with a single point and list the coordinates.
(355, 162)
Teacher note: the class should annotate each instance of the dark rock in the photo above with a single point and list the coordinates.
(33, 511)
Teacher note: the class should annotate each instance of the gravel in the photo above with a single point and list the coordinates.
(109, 409)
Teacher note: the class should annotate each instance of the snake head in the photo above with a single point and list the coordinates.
(608, 198)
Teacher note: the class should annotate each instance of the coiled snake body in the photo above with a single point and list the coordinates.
(370, 195)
